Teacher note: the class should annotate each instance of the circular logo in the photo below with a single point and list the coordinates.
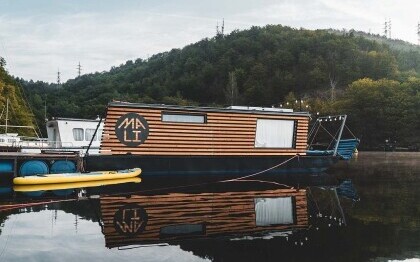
(132, 129)
(130, 220)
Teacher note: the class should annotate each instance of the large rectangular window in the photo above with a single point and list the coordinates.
(183, 118)
(274, 211)
(272, 133)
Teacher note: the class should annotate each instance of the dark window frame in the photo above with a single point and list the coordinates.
(294, 137)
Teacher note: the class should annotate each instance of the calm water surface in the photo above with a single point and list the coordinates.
(364, 210)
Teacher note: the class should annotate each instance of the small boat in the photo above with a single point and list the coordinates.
(74, 185)
(76, 177)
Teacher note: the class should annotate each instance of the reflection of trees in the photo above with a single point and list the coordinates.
(88, 210)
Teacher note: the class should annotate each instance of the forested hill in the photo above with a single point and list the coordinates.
(264, 63)
(260, 66)
(19, 114)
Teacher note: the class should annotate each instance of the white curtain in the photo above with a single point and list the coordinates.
(78, 134)
(274, 133)
(273, 211)
(89, 134)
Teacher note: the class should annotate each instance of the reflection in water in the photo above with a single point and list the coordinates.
(203, 215)
(352, 216)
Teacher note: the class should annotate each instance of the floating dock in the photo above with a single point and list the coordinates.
(14, 164)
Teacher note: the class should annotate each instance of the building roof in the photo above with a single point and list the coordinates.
(235, 109)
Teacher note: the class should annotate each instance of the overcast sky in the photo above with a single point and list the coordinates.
(39, 37)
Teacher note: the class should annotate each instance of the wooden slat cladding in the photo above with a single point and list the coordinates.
(229, 213)
(229, 133)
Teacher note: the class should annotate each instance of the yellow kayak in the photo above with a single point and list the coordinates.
(61, 186)
(76, 177)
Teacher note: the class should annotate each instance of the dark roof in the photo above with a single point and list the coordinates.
(204, 109)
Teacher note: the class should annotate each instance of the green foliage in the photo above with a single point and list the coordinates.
(259, 66)
(18, 111)
(382, 109)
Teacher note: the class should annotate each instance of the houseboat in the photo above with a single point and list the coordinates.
(68, 140)
(74, 134)
(179, 140)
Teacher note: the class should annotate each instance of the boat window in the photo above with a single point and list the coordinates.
(99, 133)
(274, 211)
(11, 140)
(273, 133)
(183, 118)
(78, 134)
(2, 140)
(89, 134)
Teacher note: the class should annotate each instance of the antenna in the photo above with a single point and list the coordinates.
(79, 69)
(45, 108)
(58, 78)
(386, 29)
(222, 31)
(223, 26)
(389, 27)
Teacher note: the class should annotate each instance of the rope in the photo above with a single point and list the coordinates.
(313, 138)
(261, 172)
(350, 131)
(327, 131)
(213, 183)
(264, 181)
(334, 139)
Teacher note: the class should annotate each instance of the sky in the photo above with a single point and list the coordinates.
(40, 38)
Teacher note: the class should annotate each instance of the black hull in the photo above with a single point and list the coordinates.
(210, 165)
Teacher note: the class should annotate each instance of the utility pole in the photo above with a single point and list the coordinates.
(223, 26)
(79, 70)
(386, 29)
(418, 33)
(389, 27)
(222, 31)
(58, 78)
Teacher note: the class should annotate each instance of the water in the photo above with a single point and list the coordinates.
(365, 210)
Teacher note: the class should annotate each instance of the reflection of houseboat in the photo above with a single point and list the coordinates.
(167, 140)
(143, 219)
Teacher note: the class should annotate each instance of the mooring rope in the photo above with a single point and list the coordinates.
(261, 172)
(239, 179)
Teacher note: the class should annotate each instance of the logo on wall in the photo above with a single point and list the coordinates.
(130, 220)
(132, 129)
